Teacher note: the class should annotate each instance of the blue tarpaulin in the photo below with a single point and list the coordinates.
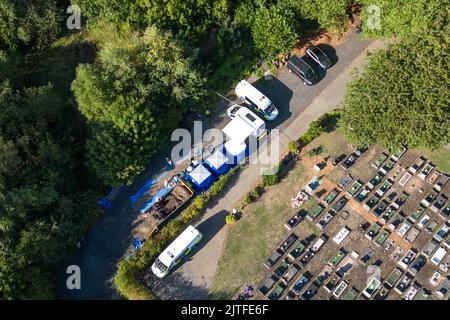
(150, 202)
(137, 244)
(142, 190)
(150, 183)
(105, 202)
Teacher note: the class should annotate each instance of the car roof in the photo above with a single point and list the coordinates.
(299, 63)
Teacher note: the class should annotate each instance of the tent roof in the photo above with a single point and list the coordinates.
(233, 148)
(200, 174)
(217, 159)
(237, 130)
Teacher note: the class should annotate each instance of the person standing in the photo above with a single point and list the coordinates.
(169, 162)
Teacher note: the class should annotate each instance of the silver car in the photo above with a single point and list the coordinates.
(318, 56)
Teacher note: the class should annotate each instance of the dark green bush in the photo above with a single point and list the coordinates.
(270, 179)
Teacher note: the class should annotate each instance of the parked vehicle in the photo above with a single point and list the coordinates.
(172, 255)
(302, 69)
(231, 111)
(318, 56)
(244, 123)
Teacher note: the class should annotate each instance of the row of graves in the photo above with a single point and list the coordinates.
(288, 278)
(385, 196)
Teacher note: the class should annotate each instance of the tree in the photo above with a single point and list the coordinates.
(31, 23)
(403, 18)
(273, 31)
(133, 97)
(330, 15)
(43, 207)
(402, 96)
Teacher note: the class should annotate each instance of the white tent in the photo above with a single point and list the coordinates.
(237, 130)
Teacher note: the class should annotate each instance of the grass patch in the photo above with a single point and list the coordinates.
(250, 241)
(440, 157)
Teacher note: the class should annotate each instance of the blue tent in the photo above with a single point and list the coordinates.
(217, 163)
(235, 152)
(201, 178)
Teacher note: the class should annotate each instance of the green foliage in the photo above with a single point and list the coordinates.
(401, 97)
(314, 152)
(116, 11)
(293, 146)
(133, 97)
(270, 179)
(30, 23)
(253, 195)
(401, 18)
(315, 129)
(331, 15)
(43, 206)
(273, 31)
(230, 218)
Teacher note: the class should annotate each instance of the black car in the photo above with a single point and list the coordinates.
(302, 69)
(420, 262)
(318, 56)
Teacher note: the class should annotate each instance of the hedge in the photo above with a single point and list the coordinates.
(127, 279)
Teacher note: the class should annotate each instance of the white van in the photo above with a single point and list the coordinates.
(251, 96)
(172, 255)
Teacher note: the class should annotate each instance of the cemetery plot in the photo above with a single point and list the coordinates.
(356, 185)
(387, 166)
(426, 171)
(373, 200)
(314, 213)
(387, 184)
(420, 161)
(376, 179)
(379, 160)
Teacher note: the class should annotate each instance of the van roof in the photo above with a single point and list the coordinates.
(243, 125)
(250, 118)
(245, 89)
(178, 245)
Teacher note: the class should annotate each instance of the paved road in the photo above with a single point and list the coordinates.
(108, 240)
(299, 106)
